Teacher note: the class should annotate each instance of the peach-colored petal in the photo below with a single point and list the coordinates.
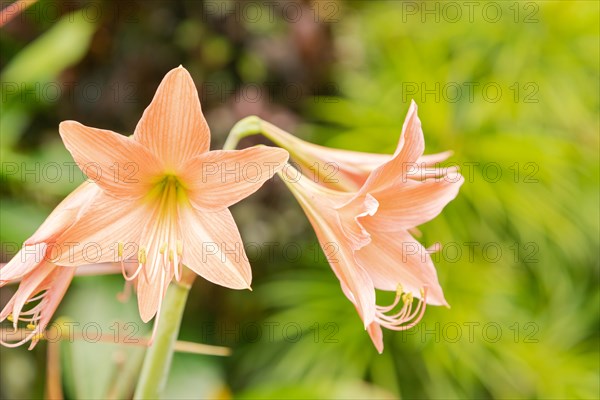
(365, 232)
(412, 143)
(357, 160)
(42, 289)
(118, 164)
(349, 218)
(332, 168)
(40, 246)
(419, 173)
(29, 286)
(66, 213)
(396, 258)
(96, 236)
(413, 203)
(376, 335)
(360, 289)
(218, 179)
(213, 248)
(26, 259)
(313, 152)
(150, 294)
(410, 148)
(173, 126)
(319, 205)
(345, 169)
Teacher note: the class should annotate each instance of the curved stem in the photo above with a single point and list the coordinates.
(245, 127)
(253, 125)
(157, 362)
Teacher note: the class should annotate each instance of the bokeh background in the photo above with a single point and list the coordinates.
(511, 87)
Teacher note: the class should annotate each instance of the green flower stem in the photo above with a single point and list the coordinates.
(245, 127)
(157, 362)
(253, 125)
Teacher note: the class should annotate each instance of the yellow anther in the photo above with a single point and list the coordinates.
(179, 248)
(399, 290)
(10, 318)
(37, 337)
(407, 298)
(163, 248)
(142, 256)
(30, 327)
(171, 256)
(120, 248)
(422, 293)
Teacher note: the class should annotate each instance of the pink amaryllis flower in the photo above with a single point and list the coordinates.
(42, 283)
(165, 196)
(365, 234)
(337, 168)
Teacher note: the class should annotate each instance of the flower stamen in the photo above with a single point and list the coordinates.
(32, 317)
(142, 256)
(408, 316)
(164, 250)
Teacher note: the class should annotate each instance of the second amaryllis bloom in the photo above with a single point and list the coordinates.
(165, 196)
(366, 234)
(42, 283)
(338, 169)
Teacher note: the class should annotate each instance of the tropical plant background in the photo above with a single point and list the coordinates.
(515, 97)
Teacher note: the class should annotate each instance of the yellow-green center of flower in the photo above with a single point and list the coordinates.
(168, 189)
(160, 247)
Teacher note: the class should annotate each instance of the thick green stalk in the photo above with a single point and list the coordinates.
(157, 362)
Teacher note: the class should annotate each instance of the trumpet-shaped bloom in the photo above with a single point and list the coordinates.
(344, 169)
(165, 196)
(37, 298)
(365, 234)
(41, 244)
(43, 284)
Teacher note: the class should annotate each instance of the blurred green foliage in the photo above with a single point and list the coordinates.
(518, 95)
